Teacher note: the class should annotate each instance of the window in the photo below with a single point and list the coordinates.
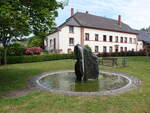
(125, 49)
(96, 49)
(71, 41)
(86, 36)
(104, 38)
(130, 40)
(116, 39)
(46, 42)
(110, 49)
(96, 37)
(125, 40)
(71, 29)
(110, 38)
(121, 40)
(116, 48)
(134, 40)
(104, 49)
(121, 49)
(50, 43)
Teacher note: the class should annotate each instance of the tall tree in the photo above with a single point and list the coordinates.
(146, 29)
(19, 18)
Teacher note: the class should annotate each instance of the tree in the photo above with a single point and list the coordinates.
(35, 41)
(146, 29)
(19, 18)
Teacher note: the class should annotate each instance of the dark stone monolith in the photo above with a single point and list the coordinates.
(86, 67)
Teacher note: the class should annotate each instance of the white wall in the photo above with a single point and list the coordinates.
(64, 36)
(92, 43)
(51, 37)
(140, 45)
(62, 39)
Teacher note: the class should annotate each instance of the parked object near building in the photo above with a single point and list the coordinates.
(100, 33)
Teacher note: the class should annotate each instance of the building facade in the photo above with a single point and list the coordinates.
(101, 34)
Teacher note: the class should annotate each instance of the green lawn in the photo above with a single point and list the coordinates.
(14, 77)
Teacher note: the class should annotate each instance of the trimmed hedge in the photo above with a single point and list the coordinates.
(37, 58)
(116, 54)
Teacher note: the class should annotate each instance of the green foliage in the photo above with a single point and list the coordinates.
(88, 47)
(13, 77)
(146, 29)
(15, 49)
(35, 41)
(38, 58)
(116, 54)
(19, 18)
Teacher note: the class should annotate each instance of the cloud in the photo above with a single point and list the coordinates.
(135, 13)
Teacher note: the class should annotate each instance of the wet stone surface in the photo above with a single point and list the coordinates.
(86, 66)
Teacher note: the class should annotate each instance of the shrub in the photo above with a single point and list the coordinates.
(38, 58)
(129, 53)
(15, 49)
(33, 51)
(35, 41)
(88, 47)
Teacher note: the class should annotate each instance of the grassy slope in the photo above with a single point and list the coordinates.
(14, 77)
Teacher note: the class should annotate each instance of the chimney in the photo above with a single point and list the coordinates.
(119, 20)
(72, 11)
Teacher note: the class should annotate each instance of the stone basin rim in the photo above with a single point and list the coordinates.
(133, 83)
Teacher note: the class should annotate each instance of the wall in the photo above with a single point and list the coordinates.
(62, 39)
(52, 37)
(92, 43)
(64, 36)
(139, 45)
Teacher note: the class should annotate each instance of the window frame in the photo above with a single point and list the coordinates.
(104, 49)
(87, 38)
(71, 39)
(96, 49)
(110, 38)
(96, 37)
(105, 38)
(71, 29)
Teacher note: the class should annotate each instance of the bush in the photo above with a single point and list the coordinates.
(33, 51)
(35, 41)
(129, 53)
(38, 58)
(15, 49)
(88, 47)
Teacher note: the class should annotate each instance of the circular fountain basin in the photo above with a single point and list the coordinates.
(64, 82)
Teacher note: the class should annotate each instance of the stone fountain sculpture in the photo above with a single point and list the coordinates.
(86, 67)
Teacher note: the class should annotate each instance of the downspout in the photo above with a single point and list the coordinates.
(82, 36)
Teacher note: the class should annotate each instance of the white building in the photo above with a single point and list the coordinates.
(100, 33)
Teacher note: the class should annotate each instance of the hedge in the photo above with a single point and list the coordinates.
(129, 53)
(37, 58)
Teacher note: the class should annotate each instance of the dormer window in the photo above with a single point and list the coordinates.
(71, 29)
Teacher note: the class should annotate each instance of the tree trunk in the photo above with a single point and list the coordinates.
(5, 55)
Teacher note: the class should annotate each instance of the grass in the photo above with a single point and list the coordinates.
(14, 77)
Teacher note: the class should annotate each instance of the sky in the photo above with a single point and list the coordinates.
(135, 13)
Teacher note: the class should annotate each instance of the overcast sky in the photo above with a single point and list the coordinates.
(135, 13)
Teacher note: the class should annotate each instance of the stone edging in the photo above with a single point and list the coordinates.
(133, 84)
